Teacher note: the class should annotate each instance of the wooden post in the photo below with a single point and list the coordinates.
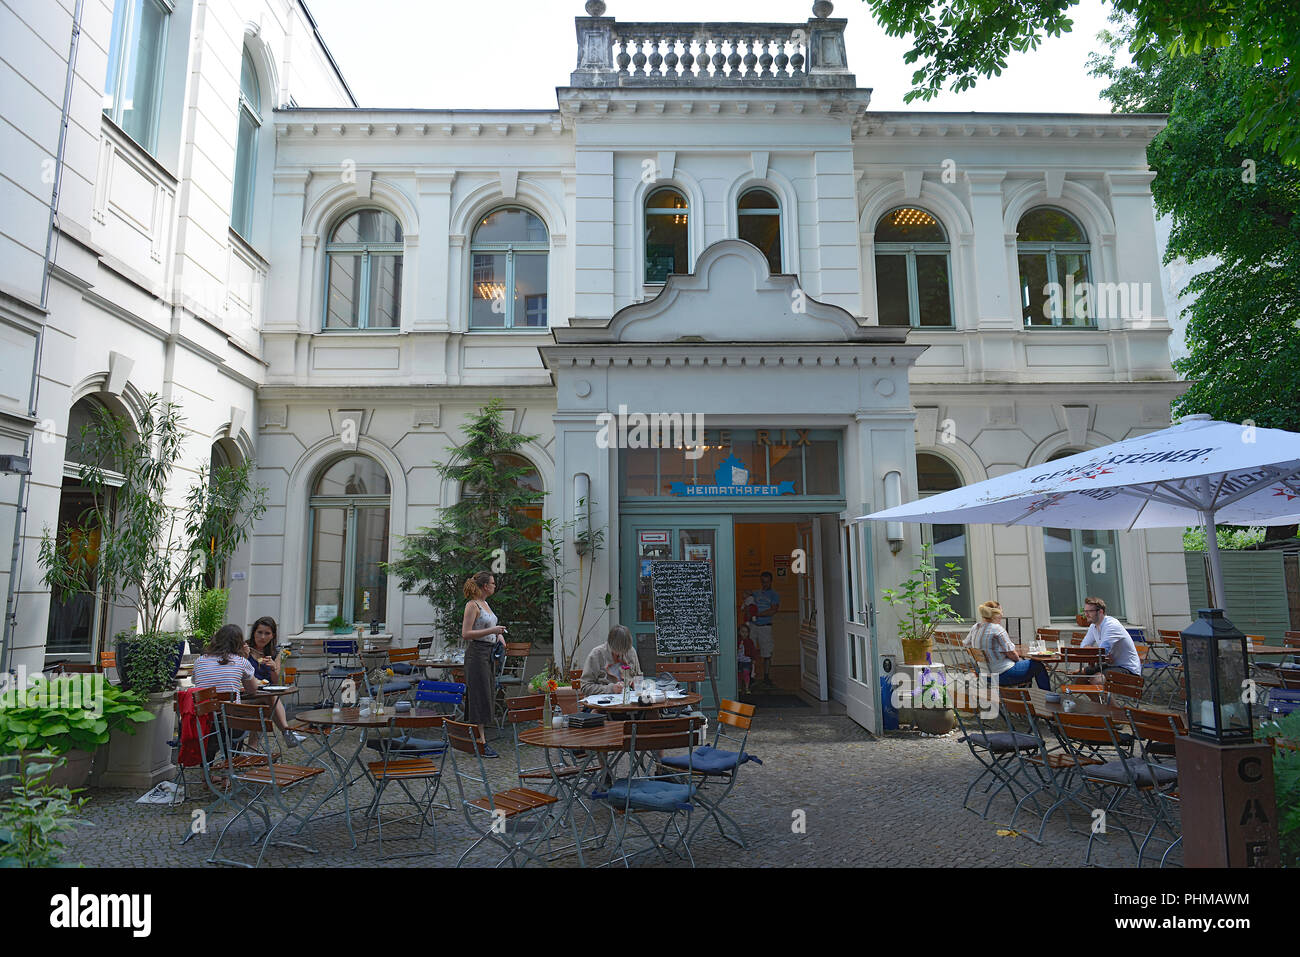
(1228, 806)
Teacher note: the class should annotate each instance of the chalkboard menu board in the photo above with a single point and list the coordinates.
(684, 618)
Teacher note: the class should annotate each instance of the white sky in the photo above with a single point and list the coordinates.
(511, 54)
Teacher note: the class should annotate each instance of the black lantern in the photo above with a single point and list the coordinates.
(1215, 673)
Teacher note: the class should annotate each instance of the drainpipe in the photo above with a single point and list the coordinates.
(24, 487)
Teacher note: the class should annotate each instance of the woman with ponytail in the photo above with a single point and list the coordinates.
(481, 632)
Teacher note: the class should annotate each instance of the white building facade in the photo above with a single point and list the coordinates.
(853, 305)
(149, 277)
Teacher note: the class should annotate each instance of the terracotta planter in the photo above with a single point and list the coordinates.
(1081, 621)
(140, 760)
(934, 720)
(915, 652)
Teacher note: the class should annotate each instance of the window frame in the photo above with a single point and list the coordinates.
(123, 30)
(910, 251)
(648, 211)
(1051, 250)
(1115, 604)
(351, 504)
(927, 534)
(367, 251)
(248, 174)
(780, 224)
(511, 248)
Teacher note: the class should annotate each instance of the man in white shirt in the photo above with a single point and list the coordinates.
(1114, 640)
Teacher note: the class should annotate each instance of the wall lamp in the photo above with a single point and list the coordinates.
(894, 498)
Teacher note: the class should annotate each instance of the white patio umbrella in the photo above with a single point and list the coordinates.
(1198, 472)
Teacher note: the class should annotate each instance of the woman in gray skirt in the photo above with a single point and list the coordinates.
(481, 632)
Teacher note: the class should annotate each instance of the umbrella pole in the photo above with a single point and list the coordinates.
(1216, 566)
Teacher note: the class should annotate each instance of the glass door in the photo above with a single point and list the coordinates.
(681, 538)
(862, 691)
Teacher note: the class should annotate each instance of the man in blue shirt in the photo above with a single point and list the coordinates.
(766, 603)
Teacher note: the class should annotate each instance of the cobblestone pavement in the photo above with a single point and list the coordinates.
(893, 801)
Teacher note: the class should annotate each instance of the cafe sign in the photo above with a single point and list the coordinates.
(731, 480)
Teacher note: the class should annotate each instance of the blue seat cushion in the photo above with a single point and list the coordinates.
(1002, 742)
(396, 687)
(409, 745)
(708, 760)
(401, 667)
(649, 795)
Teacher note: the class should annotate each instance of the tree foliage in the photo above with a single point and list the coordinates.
(958, 41)
(1231, 207)
(436, 560)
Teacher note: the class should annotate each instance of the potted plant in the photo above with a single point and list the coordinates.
(340, 625)
(149, 552)
(148, 665)
(924, 599)
(206, 612)
(932, 707)
(1081, 619)
(69, 715)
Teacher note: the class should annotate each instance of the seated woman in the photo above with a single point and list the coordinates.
(264, 650)
(225, 666)
(611, 664)
(990, 637)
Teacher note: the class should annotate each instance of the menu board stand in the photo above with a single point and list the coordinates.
(685, 621)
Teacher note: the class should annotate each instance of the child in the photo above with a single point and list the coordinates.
(745, 658)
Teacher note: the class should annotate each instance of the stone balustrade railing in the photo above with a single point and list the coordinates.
(807, 54)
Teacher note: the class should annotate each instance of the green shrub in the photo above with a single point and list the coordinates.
(70, 712)
(1286, 786)
(206, 613)
(148, 663)
(35, 813)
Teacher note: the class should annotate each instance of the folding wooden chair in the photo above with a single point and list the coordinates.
(1040, 765)
(510, 675)
(1157, 732)
(267, 782)
(1086, 737)
(645, 791)
(993, 743)
(688, 674)
(711, 763)
(107, 660)
(495, 817)
(399, 764)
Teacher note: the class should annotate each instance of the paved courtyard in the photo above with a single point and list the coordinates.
(866, 802)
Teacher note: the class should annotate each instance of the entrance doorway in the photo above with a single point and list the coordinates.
(779, 591)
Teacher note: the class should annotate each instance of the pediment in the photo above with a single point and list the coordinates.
(731, 297)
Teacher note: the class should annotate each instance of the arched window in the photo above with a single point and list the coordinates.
(509, 256)
(1052, 251)
(949, 543)
(250, 123)
(667, 246)
(758, 216)
(348, 542)
(133, 85)
(1081, 562)
(364, 272)
(83, 622)
(912, 275)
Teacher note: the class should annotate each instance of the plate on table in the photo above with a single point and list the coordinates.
(676, 695)
(600, 699)
(274, 688)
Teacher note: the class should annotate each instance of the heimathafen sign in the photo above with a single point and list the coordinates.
(731, 478)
